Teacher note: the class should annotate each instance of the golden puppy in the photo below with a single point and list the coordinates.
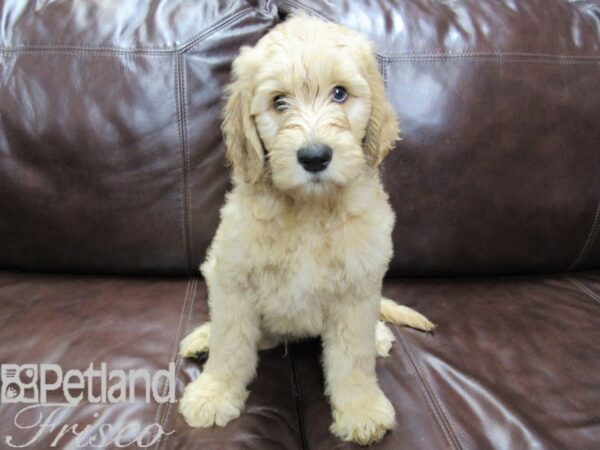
(305, 234)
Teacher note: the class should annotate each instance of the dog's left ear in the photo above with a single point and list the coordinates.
(382, 128)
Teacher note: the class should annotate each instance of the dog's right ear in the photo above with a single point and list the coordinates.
(244, 147)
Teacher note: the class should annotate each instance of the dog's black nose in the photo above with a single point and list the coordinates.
(315, 158)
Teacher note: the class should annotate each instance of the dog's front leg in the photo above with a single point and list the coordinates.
(361, 411)
(219, 393)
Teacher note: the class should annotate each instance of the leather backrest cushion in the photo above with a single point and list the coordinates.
(111, 156)
(498, 170)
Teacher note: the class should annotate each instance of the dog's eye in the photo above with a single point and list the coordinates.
(339, 94)
(279, 103)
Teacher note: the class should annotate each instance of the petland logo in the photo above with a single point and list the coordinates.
(34, 384)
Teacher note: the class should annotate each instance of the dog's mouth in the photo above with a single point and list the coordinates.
(321, 181)
(319, 185)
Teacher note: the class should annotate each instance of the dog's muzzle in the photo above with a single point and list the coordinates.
(315, 158)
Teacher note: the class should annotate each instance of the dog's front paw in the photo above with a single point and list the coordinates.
(207, 402)
(364, 422)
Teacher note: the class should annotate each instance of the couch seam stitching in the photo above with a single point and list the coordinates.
(308, 9)
(516, 56)
(183, 155)
(186, 146)
(74, 51)
(158, 413)
(432, 400)
(409, 57)
(186, 122)
(583, 288)
(215, 27)
(296, 398)
(494, 56)
(180, 168)
(190, 45)
(186, 311)
(591, 239)
(382, 66)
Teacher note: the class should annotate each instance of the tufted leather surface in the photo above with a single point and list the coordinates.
(497, 169)
(514, 363)
(111, 162)
(110, 141)
(112, 158)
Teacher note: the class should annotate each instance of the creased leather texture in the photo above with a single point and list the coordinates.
(497, 170)
(513, 364)
(111, 161)
(110, 142)
(112, 158)
(127, 324)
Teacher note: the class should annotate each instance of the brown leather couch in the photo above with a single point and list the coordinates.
(112, 175)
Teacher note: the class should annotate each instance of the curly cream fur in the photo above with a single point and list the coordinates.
(301, 254)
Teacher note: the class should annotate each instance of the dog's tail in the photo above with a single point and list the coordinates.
(390, 311)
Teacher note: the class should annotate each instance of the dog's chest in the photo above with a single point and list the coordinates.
(298, 273)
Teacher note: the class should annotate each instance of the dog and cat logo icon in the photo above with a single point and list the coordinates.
(19, 383)
(45, 389)
(48, 383)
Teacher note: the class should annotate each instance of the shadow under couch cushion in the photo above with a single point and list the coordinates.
(514, 362)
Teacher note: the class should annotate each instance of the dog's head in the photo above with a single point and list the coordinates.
(307, 109)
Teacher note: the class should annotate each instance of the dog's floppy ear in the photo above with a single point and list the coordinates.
(244, 147)
(382, 128)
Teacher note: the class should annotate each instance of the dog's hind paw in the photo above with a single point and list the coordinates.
(384, 339)
(195, 342)
(207, 402)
